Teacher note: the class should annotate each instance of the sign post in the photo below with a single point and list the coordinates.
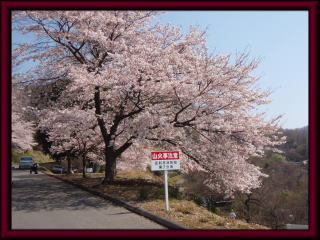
(166, 189)
(164, 161)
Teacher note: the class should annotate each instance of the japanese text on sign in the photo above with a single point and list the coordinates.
(165, 161)
(164, 155)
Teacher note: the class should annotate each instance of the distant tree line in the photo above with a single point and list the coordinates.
(282, 198)
(296, 146)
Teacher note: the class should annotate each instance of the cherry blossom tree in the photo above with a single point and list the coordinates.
(72, 133)
(22, 133)
(22, 128)
(151, 84)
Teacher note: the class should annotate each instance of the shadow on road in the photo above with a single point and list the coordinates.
(35, 192)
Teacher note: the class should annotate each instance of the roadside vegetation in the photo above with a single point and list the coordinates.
(145, 190)
(38, 156)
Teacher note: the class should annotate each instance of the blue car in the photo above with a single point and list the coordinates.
(58, 169)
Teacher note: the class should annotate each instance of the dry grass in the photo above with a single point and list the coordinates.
(191, 215)
(145, 190)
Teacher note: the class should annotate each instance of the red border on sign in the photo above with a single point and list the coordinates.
(173, 158)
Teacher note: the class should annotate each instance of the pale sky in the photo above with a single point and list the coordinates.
(278, 38)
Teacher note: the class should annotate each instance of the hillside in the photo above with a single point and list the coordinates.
(296, 147)
(283, 196)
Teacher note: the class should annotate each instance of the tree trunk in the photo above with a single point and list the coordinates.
(69, 165)
(111, 167)
(83, 166)
(247, 204)
(111, 153)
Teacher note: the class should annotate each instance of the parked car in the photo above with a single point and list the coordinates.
(25, 162)
(58, 169)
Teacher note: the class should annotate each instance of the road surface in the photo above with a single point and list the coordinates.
(43, 202)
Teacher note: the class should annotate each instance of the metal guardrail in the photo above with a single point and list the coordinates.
(296, 226)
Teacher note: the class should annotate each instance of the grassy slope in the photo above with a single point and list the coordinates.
(45, 161)
(37, 156)
(145, 190)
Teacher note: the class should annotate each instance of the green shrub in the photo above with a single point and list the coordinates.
(143, 193)
(158, 173)
(159, 192)
(198, 200)
(278, 157)
(173, 173)
(212, 218)
(100, 168)
(174, 193)
(217, 211)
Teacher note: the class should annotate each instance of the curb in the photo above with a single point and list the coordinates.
(162, 221)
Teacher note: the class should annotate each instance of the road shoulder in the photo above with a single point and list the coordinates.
(160, 220)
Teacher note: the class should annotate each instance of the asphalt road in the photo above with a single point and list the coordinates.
(43, 202)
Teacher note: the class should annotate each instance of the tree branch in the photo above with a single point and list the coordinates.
(125, 146)
(101, 123)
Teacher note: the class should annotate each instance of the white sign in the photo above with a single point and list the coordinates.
(164, 161)
(160, 165)
(161, 161)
